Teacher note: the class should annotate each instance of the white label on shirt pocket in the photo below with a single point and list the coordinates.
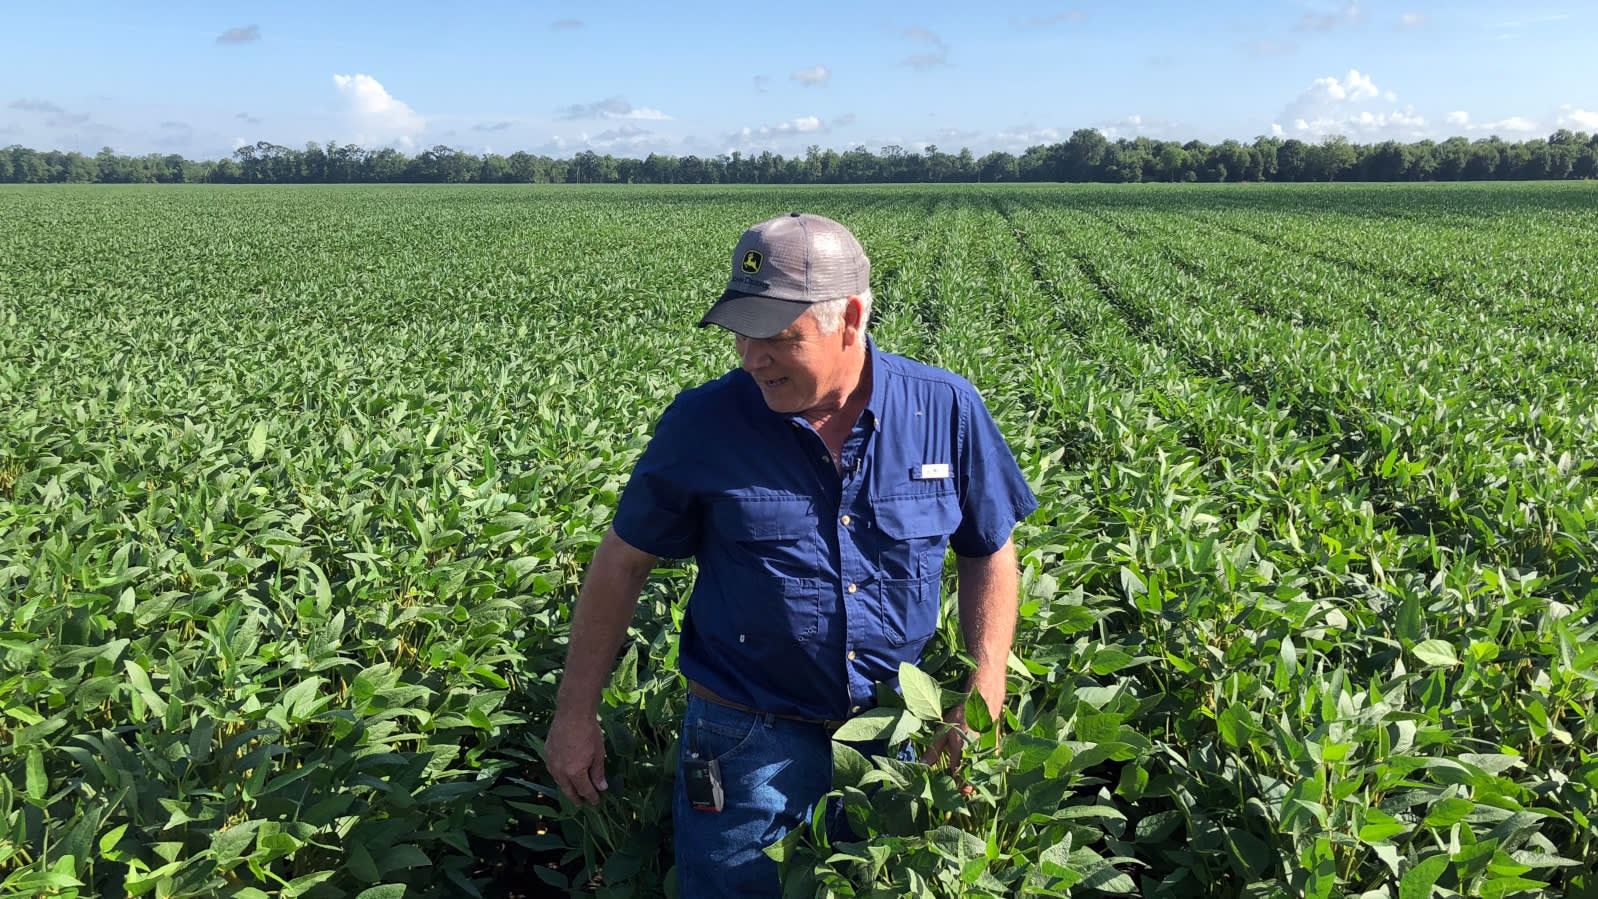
(931, 472)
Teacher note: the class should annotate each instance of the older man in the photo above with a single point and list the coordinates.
(819, 486)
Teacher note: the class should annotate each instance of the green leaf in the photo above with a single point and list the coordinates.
(257, 444)
(848, 766)
(1418, 881)
(385, 891)
(360, 862)
(976, 713)
(300, 885)
(1380, 827)
(1055, 860)
(109, 841)
(1109, 661)
(1503, 886)
(1236, 725)
(1436, 654)
(1448, 812)
(38, 784)
(875, 724)
(403, 855)
(1249, 853)
(1321, 866)
(141, 683)
(231, 844)
(922, 695)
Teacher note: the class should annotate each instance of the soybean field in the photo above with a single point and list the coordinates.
(298, 484)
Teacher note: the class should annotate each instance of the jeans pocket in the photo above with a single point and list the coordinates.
(716, 732)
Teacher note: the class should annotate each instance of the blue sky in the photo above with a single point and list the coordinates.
(699, 78)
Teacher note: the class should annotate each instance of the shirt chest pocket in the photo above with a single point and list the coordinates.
(913, 533)
(771, 587)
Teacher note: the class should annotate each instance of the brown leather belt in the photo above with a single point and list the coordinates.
(705, 693)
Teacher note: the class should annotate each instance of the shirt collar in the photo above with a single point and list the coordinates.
(874, 365)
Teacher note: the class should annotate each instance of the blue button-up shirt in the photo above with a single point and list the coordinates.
(813, 586)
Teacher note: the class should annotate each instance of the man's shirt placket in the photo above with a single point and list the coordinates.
(856, 569)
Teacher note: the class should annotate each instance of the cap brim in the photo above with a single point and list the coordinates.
(753, 316)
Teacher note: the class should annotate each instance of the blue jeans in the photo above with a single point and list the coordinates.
(773, 770)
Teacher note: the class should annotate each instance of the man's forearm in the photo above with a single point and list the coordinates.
(604, 610)
(988, 589)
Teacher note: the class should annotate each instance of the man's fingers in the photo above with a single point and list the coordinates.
(579, 789)
(947, 745)
(584, 788)
(577, 763)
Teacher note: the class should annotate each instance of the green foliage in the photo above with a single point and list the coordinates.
(297, 487)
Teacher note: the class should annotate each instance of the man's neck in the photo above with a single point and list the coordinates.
(841, 418)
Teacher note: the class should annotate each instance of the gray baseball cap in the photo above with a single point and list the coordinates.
(781, 266)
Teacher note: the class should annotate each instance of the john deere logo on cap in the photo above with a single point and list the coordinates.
(751, 263)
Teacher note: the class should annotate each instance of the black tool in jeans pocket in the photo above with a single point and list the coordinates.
(702, 777)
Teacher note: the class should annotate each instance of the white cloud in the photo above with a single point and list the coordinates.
(612, 108)
(1514, 125)
(1361, 127)
(44, 106)
(377, 116)
(768, 135)
(1137, 126)
(627, 138)
(803, 125)
(934, 56)
(245, 35)
(812, 76)
(1017, 139)
(1578, 119)
(1412, 20)
(1327, 107)
(1070, 16)
(950, 140)
(1270, 48)
(1347, 15)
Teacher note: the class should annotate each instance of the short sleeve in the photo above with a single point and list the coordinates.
(994, 494)
(657, 512)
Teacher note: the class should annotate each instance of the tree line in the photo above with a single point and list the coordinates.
(1086, 156)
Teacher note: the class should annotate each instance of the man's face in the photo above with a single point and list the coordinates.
(800, 369)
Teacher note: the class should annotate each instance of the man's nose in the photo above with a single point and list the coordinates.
(752, 352)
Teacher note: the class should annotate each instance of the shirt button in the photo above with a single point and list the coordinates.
(854, 710)
(851, 588)
(845, 520)
(851, 655)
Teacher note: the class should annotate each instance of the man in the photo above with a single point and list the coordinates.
(819, 486)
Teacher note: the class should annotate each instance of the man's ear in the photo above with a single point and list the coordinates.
(853, 313)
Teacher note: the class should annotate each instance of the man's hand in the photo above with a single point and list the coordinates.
(575, 754)
(575, 748)
(988, 588)
(950, 742)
